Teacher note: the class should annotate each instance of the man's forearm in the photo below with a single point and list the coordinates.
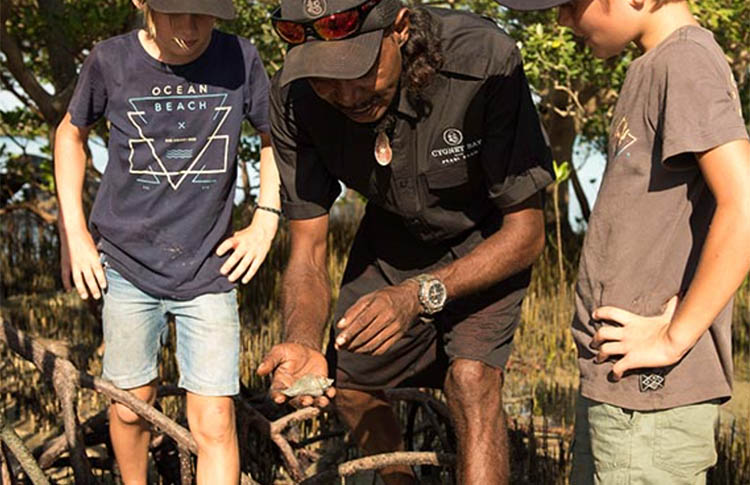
(510, 250)
(305, 304)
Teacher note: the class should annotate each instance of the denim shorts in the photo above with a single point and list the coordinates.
(616, 446)
(135, 327)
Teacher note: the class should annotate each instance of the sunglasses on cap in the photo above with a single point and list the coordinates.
(336, 26)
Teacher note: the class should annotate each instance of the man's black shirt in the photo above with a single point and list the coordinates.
(479, 149)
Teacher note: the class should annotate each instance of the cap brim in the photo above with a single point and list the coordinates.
(531, 4)
(339, 59)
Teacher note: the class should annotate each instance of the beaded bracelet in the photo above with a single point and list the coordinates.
(268, 209)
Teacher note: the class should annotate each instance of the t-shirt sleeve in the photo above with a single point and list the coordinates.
(89, 101)
(307, 188)
(698, 106)
(516, 157)
(256, 110)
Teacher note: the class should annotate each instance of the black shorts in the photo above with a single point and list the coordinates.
(479, 327)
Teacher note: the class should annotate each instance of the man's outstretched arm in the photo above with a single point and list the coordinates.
(305, 304)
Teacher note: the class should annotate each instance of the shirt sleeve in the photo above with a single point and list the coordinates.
(256, 109)
(89, 101)
(307, 188)
(698, 106)
(516, 157)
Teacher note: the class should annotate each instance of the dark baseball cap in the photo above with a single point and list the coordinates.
(531, 4)
(223, 9)
(348, 58)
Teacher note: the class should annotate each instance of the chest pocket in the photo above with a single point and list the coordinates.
(448, 187)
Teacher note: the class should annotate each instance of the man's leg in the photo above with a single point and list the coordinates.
(130, 436)
(375, 428)
(474, 393)
(212, 424)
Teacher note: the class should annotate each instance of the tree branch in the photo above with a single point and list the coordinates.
(376, 462)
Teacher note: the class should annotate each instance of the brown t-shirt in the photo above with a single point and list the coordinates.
(653, 213)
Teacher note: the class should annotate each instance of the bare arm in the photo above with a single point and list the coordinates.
(724, 262)
(306, 290)
(250, 245)
(79, 258)
(306, 296)
(510, 250)
(376, 321)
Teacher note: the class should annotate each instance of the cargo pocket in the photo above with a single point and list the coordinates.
(685, 441)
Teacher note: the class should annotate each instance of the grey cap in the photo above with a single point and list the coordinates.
(348, 58)
(223, 9)
(531, 4)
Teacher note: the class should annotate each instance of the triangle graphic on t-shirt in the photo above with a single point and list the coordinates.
(176, 134)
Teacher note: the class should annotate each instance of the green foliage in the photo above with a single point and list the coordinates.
(562, 171)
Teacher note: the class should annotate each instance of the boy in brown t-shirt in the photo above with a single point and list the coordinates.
(666, 248)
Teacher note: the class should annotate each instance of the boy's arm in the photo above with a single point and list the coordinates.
(663, 340)
(79, 256)
(251, 245)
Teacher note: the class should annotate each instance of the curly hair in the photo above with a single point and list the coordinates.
(422, 57)
(422, 53)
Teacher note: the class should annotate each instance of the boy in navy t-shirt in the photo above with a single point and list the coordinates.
(159, 237)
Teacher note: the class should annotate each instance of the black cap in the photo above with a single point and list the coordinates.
(223, 9)
(531, 4)
(349, 58)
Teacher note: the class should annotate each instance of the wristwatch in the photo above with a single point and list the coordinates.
(432, 293)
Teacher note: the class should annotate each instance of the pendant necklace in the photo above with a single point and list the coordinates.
(383, 152)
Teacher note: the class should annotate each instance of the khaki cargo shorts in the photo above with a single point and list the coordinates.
(615, 446)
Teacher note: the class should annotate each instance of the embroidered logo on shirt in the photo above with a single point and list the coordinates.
(651, 382)
(623, 138)
(456, 150)
(453, 136)
(314, 8)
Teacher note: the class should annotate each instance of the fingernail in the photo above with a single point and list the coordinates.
(342, 323)
(341, 340)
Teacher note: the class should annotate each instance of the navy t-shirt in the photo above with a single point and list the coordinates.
(166, 197)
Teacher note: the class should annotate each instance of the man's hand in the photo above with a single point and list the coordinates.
(250, 247)
(288, 362)
(641, 341)
(379, 319)
(79, 259)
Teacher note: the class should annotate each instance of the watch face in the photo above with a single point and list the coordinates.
(436, 294)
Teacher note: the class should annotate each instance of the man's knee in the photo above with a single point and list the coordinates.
(469, 379)
(211, 420)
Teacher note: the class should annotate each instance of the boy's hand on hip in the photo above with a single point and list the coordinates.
(643, 342)
(80, 260)
(379, 319)
(249, 248)
(288, 362)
